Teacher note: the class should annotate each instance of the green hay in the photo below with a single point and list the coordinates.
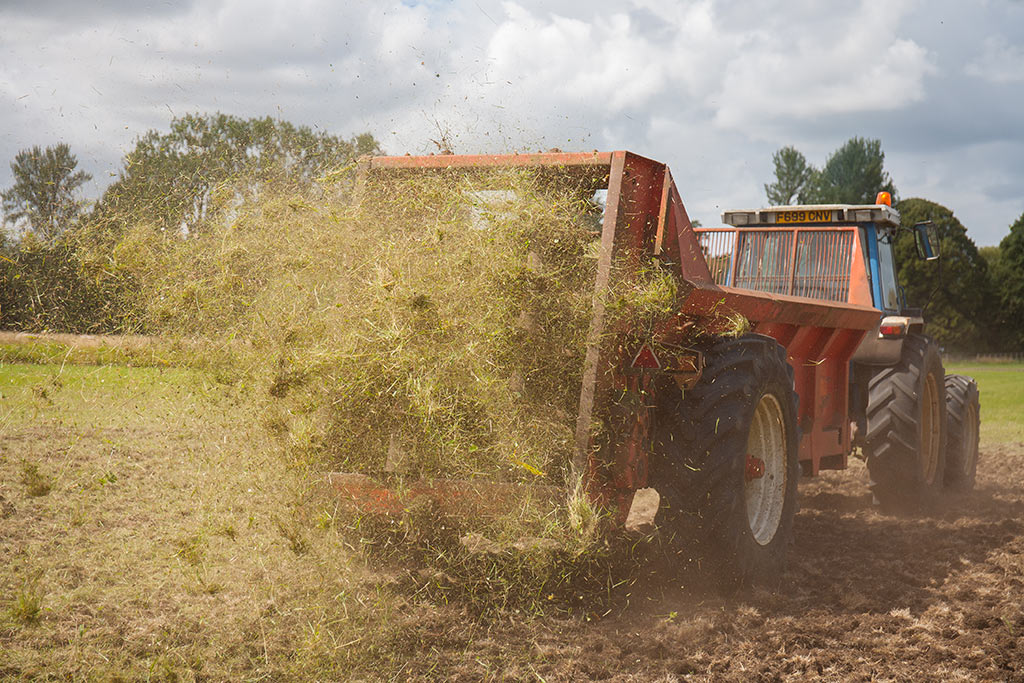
(435, 328)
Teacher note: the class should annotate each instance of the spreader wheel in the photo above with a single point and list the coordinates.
(963, 418)
(725, 461)
(906, 426)
(765, 476)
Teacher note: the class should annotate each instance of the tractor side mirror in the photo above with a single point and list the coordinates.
(926, 236)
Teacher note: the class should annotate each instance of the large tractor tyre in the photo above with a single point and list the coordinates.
(963, 418)
(906, 427)
(725, 462)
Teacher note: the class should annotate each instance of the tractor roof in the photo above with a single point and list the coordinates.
(812, 214)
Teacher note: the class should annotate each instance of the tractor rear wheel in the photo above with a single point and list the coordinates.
(963, 418)
(725, 461)
(906, 426)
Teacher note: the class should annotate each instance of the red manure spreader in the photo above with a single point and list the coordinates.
(807, 352)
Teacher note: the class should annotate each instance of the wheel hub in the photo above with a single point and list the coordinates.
(754, 468)
(931, 425)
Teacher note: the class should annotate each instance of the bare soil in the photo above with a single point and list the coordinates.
(868, 596)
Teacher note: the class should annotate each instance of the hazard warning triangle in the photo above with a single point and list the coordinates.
(645, 359)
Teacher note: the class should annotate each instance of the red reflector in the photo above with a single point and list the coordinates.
(891, 330)
(754, 468)
(645, 359)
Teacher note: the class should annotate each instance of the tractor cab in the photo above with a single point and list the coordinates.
(831, 252)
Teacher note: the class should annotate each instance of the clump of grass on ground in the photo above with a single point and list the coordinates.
(26, 605)
(36, 482)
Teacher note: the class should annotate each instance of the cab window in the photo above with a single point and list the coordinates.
(887, 272)
(764, 258)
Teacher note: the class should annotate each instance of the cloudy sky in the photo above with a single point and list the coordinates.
(711, 87)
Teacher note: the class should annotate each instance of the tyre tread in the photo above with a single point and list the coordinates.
(697, 441)
(892, 437)
(961, 391)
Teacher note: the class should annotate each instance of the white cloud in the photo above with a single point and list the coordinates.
(999, 62)
(603, 62)
(852, 60)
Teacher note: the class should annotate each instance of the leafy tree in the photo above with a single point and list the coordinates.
(44, 286)
(1009, 278)
(169, 179)
(42, 198)
(957, 289)
(992, 257)
(853, 174)
(791, 175)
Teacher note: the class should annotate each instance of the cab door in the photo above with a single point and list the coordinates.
(885, 289)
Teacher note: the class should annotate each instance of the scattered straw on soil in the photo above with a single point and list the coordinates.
(436, 328)
(174, 545)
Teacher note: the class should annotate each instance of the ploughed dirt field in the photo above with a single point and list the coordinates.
(146, 534)
(868, 596)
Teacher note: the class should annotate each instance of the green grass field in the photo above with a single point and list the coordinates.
(150, 530)
(1002, 399)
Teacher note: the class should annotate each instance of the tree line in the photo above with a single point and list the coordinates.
(53, 274)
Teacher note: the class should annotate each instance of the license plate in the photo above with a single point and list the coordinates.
(804, 216)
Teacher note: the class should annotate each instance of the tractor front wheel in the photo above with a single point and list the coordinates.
(725, 461)
(906, 426)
